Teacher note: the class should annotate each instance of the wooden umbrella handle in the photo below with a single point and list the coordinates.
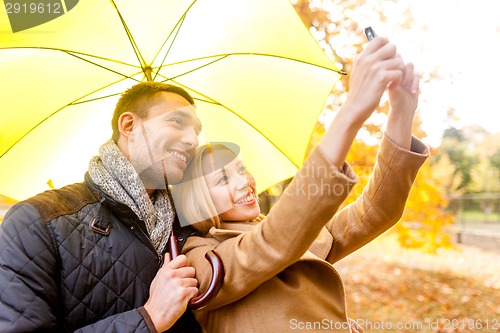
(173, 246)
(215, 261)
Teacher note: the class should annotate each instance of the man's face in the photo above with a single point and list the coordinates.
(162, 144)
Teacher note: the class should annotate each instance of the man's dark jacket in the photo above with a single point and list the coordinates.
(75, 259)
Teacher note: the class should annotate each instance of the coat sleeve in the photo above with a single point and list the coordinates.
(281, 238)
(382, 201)
(29, 300)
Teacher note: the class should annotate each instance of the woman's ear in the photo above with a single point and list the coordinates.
(126, 123)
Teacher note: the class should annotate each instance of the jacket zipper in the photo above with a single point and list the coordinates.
(145, 239)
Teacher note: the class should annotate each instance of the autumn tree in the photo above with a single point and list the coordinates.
(485, 177)
(455, 145)
(475, 157)
(335, 25)
(495, 159)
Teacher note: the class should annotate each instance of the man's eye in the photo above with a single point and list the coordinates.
(176, 121)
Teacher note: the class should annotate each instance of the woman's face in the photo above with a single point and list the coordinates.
(231, 186)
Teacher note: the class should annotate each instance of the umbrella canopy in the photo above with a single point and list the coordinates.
(258, 77)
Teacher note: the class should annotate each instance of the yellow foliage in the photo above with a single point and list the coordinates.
(445, 171)
(424, 221)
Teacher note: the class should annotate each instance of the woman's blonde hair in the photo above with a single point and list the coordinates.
(192, 198)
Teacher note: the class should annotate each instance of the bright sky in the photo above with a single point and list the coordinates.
(462, 42)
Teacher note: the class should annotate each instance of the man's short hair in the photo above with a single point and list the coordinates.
(139, 98)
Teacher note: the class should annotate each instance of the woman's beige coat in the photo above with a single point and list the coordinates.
(279, 273)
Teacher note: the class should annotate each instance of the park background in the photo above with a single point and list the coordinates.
(424, 270)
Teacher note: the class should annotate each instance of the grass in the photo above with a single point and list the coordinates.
(476, 215)
(393, 289)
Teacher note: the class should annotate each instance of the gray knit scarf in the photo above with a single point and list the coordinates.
(112, 171)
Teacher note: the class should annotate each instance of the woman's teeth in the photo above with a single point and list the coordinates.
(246, 199)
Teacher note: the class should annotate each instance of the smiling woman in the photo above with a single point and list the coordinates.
(231, 186)
(225, 190)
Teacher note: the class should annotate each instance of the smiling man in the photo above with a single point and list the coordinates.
(91, 256)
(158, 133)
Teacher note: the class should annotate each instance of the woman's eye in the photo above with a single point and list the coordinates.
(223, 181)
(242, 170)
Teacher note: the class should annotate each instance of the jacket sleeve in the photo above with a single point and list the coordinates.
(281, 238)
(382, 201)
(29, 300)
(29, 296)
(132, 321)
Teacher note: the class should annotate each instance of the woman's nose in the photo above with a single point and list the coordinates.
(242, 182)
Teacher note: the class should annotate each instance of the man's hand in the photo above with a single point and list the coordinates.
(172, 288)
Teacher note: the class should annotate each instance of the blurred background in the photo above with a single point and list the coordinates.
(453, 46)
(438, 269)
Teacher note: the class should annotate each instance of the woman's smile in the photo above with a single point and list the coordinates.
(248, 199)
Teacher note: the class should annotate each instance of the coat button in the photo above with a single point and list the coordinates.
(180, 238)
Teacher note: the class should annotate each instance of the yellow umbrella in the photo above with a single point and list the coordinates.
(258, 77)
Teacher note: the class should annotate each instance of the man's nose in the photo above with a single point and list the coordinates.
(190, 137)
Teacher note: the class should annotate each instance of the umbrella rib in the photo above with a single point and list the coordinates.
(291, 59)
(244, 120)
(93, 99)
(192, 70)
(71, 103)
(130, 38)
(70, 52)
(222, 56)
(101, 66)
(212, 101)
(76, 55)
(176, 28)
(77, 101)
(97, 57)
